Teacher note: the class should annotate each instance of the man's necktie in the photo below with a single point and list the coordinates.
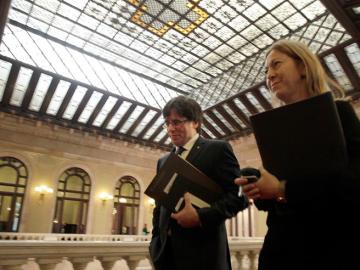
(179, 150)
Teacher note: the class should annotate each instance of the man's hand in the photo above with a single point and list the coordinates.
(188, 216)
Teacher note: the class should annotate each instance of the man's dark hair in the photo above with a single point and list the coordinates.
(186, 107)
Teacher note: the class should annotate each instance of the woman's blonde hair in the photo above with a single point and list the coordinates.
(317, 81)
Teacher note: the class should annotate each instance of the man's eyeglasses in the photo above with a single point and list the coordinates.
(174, 123)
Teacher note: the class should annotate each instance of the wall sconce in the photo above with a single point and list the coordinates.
(105, 197)
(42, 190)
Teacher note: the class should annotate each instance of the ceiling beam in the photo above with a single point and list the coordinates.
(342, 14)
(66, 100)
(245, 100)
(82, 105)
(239, 113)
(262, 100)
(10, 84)
(149, 125)
(155, 134)
(125, 118)
(97, 110)
(348, 68)
(218, 122)
(72, 81)
(137, 122)
(30, 90)
(49, 94)
(4, 12)
(212, 129)
(112, 113)
(229, 118)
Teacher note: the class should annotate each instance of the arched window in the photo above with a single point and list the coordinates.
(13, 180)
(72, 202)
(126, 206)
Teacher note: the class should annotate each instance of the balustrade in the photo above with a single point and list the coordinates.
(24, 251)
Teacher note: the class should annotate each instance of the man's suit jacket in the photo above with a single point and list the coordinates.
(205, 247)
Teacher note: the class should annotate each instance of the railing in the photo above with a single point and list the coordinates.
(28, 251)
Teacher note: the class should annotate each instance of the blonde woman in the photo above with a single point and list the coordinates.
(311, 226)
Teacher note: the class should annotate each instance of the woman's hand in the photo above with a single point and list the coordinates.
(250, 190)
(267, 187)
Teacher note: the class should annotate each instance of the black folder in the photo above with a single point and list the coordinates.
(302, 139)
(178, 176)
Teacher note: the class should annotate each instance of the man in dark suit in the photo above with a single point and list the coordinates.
(195, 238)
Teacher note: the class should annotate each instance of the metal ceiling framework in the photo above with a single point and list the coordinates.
(32, 88)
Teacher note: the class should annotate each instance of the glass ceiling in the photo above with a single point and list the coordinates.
(151, 50)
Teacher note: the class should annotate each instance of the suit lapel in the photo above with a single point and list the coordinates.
(196, 149)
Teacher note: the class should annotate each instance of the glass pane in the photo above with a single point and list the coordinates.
(74, 182)
(5, 208)
(353, 53)
(87, 188)
(7, 188)
(22, 181)
(57, 212)
(17, 214)
(20, 190)
(338, 72)
(129, 219)
(84, 216)
(127, 189)
(71, 212)
(21, 169)
(73, 195)
(7, 175)
(61, 185)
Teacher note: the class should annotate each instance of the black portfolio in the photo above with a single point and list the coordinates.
(178, 176)
(301, 139)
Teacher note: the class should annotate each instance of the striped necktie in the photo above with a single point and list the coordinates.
(179, 150)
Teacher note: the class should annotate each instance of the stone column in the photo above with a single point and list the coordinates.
(253, 260)
(108, 262)
(80, 263)
(107, 265)
(240, 259)
(47, 264)
(133, 261)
